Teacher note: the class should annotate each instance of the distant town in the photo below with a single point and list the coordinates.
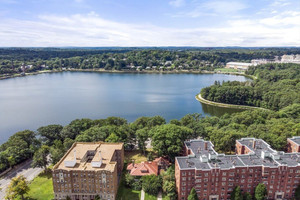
(245, 66)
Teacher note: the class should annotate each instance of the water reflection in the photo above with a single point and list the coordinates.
(218, 111)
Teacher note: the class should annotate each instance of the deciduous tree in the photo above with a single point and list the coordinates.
(18, 187)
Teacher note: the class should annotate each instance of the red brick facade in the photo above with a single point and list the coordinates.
(215, 178)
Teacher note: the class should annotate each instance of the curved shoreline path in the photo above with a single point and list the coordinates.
(225, 105)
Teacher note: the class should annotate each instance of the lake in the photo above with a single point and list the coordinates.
(58, 98)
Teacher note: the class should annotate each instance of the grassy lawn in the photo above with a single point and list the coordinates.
(136, 155)
(226, 70)
(150, 197)
(165, 197)
(41, 188)
(125, 193)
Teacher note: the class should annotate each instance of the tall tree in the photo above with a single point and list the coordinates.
(168, 139)
(193, 195)
(260, 192)
(18, 187)
(40, 158)
(247, 196)
(236, 194)
(141, 136)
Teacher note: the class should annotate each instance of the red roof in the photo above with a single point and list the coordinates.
(143, 169)
(162, 161)
(147, 168)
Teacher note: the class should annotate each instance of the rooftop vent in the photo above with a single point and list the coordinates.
(71, 163)
(276, 156)
(97, 161)
(204, 159)
(212, 156)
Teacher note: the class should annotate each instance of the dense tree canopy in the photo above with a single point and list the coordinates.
(151, 184)
(17, 60)
(168, 139)
(50, 133)
(277, 86)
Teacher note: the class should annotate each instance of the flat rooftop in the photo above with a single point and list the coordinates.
(239, 63)
(204, 157)
(257, 146)
(89, 156)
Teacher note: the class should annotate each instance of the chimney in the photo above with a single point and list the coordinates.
(100, 156)
(75, 155)
(205, 145)
(132, 163)
(254, 143)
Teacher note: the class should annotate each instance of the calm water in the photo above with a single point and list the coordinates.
(58, 98)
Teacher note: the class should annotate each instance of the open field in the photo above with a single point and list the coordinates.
(136, 155)
(41, 188)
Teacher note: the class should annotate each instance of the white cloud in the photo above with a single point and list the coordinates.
(177, 3)
(92, 30)
(223, 6)
(288, 18)
(219, 8)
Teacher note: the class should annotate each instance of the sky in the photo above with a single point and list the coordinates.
(97, 23)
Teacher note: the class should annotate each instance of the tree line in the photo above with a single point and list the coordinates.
(38, 59)
(276, 86)
(167, 138)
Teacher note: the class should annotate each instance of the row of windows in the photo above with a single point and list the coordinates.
(257, 171)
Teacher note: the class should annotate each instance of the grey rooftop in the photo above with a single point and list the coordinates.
(202, 156)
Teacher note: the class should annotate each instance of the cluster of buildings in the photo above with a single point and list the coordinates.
(214, 176)
(89, 170)
(241, 66)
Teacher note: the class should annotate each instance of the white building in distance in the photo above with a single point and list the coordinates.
(238, 65)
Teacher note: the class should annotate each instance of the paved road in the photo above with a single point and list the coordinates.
(24, 169)
(159, 196)
(142, 195)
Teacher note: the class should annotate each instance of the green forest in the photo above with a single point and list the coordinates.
(167, 138)
(27, 60)
(276, 87)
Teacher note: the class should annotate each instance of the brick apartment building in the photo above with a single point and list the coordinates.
(214, 176)
(88, 170)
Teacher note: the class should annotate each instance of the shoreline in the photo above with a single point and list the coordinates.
(225, 105)
(133, 72)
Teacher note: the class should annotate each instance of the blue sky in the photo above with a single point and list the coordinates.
(49, 23)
